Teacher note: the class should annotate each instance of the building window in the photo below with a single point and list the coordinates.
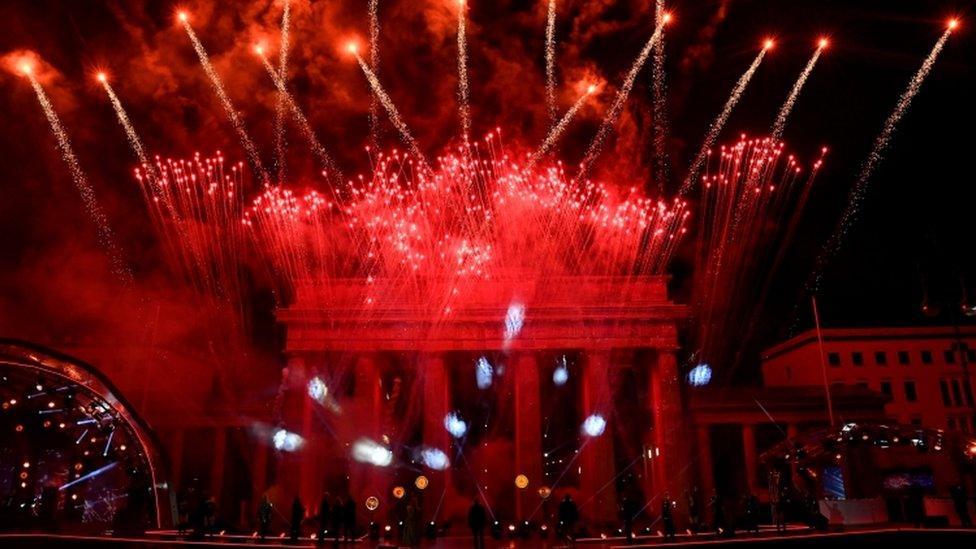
(916, 421)
(910, 394)
(833, 359)
(956, 392)
(903, 357)
(971, 355)
(952, 424)
(857, 358)
(926, 357)
(944, 386)
(862, 383)
(886, 387)
(881, 358)
(950, 356)
(967, 391)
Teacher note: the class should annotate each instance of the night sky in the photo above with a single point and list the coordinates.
(915, 232)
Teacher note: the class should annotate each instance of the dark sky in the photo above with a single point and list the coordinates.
(915, 227)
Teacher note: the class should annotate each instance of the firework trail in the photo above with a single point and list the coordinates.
(464, 107)
(551, 62)
(391, 111)
(331, 168)
(218, 87)
(784, 112)
(719, 123)
(593, 151)
(659, 98)
(374, 63)
(556, 132)
(105, 235)
(279, 128)
(856, 195)
(130, 132)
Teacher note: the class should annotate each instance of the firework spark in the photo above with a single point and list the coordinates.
(784, 112)
(596, 145)
(716, 128)
(857, 192)
(106, 236)
(218, 86)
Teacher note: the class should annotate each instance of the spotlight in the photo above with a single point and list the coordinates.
(594, 425)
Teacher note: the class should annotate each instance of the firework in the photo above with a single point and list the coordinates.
(754, 186)
(374, 64)
(464, 107)
(659, 98)
(551, 62)
(229, 109)
(390, 107)
(784, 112)
(328, 164)
(856, 195)
(559, 128)
(716, 128)
(106, 236)
(596, 145)
(279, 128)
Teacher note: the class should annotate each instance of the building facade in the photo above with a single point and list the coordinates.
(924, 371)
(402, 365)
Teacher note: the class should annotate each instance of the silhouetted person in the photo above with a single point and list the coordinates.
(210, 516)
(628, 512)
(410, 530)
(297, 515)
(567, 515)
(323, 519)
(338, 519)
(349, 519)
(264, 517)
(916, 501)
(667, 516)
(476, 521)
(694, 512)
(718, 514)
(751, 510)
(960, 500)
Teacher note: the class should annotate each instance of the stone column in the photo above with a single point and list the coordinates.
(292, 467)
(672, 469)
(433, 372)
(528, 433)
(705, 470)
(597, 491)
(365, 413)
(749, 453)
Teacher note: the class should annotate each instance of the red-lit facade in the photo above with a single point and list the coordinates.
(925, 372)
